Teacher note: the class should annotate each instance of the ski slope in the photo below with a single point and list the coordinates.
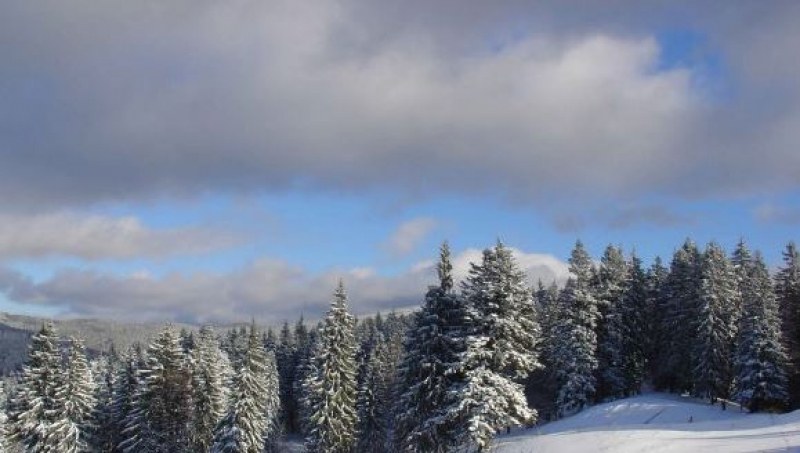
(657, 422)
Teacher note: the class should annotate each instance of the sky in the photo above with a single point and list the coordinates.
(204, 161)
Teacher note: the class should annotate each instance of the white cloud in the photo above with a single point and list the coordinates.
(271, 290)
(95, 237)
(409, 235)
(537, 266)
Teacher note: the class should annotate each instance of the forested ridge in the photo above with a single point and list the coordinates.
(479, 357)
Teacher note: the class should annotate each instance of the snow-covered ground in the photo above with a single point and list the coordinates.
(657, 422)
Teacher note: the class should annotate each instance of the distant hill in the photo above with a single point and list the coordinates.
(98, 334)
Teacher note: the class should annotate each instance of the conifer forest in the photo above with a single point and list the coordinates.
(481, 356)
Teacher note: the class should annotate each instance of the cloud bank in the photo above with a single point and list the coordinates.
(130, 100)
(94, 237)
(270, 290)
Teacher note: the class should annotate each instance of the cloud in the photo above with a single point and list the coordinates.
(409, 235)
(773, 213)
(622, 216)
(94, 237)
(271, 290)
(279, 95)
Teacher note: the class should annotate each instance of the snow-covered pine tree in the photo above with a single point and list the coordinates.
(375, 399)
(3, 419)
(104, 369)
(209, 387)
(787, 291)
(429, 368)
(501, 348)
(36, 406)
(761, 382)
(72, 427)
(332, 388)
(542, 385)
(716, 325)
(272, 402)
(246, 426)
(307, 372)
(741, 260)
(659, 335)
(187, 340)
(304, 342)
(126, 419)
(270, 342)
(286, 357)
(680, 319)
(161, 420)
(637, 327)
(611, 279)
(574, 353)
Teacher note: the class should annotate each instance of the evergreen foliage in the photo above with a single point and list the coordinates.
(76, 398)
(331, 387)
(3, 419)
(429, 370)
(761, 381)
(162, 417)
(787, 290)
(716, 325)
(209, 389)
(574, 355)
(250, 422)
(501, 348)
(637, 327)
(681, 305)
(36, 408)
(612, 276)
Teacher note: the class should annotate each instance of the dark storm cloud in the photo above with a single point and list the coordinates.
(128, 100)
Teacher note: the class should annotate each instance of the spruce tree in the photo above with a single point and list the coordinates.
(612, 277)
(36, 405)
(286, 357)
(636, 327)
(246, 428)
(761, 381)
(787, 289)
(501, 348)
(658, 331)
(375, 399)
(75, 394)
(332, 387)
(542, 386)
(3, 419)
(429, 370)
(103, 430)
(574, 355)
(716, 325)
(209, 387)
(161, 420)
(681, 305)
(126, 420)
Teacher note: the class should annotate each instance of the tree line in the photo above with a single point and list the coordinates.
(480, 357)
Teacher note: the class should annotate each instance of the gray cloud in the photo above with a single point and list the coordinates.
(270, 290)
(774, 213)
(627, 216)
(138, 99)
(621, 216)
(95, 237)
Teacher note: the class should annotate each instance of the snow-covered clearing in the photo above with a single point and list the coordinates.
(657, 422)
